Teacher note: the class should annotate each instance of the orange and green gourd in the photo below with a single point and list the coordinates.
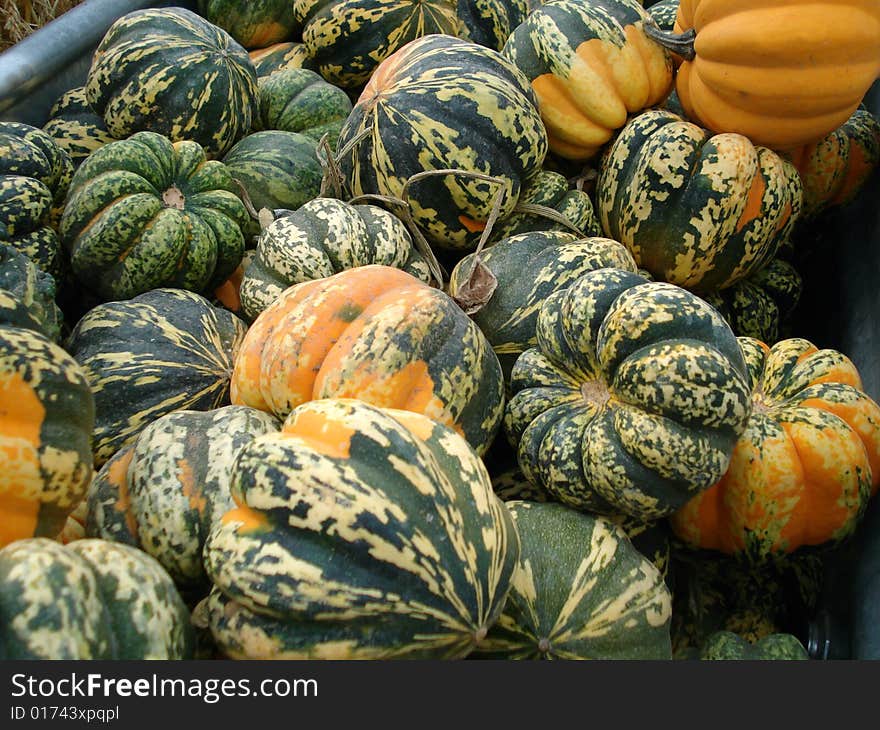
(279, 57)
(591, 67)
(783, 73)
(47, 413)
(92, 600)
(446, 106)
(170, 71)
(321, 238)
(696, 209)
(253, 24)
(145, 212)
(632, 400)
(806, 465)
(358, 533)
(378, 334)
(581, 590)
(162, 351)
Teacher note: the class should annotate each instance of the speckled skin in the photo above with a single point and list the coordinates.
(162, 351)
(90, 600)
(144, 213)
(170, 490)
(75, 127)
(580, 591)
(696, 209)
(322, 238)
(360, 533)
(170, 71)
(47, 412)
(727, 646)
(805, 466)
(633, 399)
(347, 39)
(444, 103)
(280, 56)
(490, 22)
(33, 288)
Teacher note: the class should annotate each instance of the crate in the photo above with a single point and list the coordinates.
(840, 310)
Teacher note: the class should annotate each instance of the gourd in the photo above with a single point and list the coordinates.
(33, 288)
(253, 24)
(75, 127)
(727, 646)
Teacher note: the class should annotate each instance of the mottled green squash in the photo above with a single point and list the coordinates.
(490, 22)
(75, 127)
(322, 238)
(170, 71)
(727, 646)
(277, 170)
(145, 213)
(299, 100)
(570, 209)
(528, 268)
(165, 492)
(279, 57)
(359, 533)
(255, 23)
(34, 288)
(580, 591)
(35, 174)
(162, 351)
(696, 209)
(348, 39)
(663, 13)
(442, 103)
(89, 600)
(47, 413)
(761, 305)
(632, 400)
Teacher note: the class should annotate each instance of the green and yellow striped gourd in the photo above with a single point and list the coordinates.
(35, 174)
(358, 533)
(91, 599)
(490, 22)
(633, 399)
(322, 238)
(75, 127)
(144, 213)
(170, 71)
(164, 493)
(696, 209)
(33, 288)
(580, 591)
(442, 103)
(279, 57)
(162, 351)
(254, 23)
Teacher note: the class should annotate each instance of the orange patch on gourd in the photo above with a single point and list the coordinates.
(267, 33)
(418, 425)
(118, 476)
(228, 293)
(857, 170)
(472, 225)
(327, 436)
(190, 486)
(251, 520)
(21, 419)
(754, 202)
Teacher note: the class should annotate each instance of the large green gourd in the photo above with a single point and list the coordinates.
(358, 533)
(162, 351)
(145, 213)
(90, 600)
(170, 71)
(581, 591)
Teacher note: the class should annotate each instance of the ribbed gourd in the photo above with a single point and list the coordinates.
(170, 71)
(253, 24)
(695, 209)
(33, 288)
(727, 646)
(164, 493)
(591, 66)
(528, 268)
(300, 100)
(442, 103)
(75, 127)
(35, 174)
(321, 238)
(490, 22)
(358, 533)
(279, 57)
(162, 351)
(380, 335)
(47, 413)
(145, 212)
(93, 600)
(347, 39)
(580, 591)
(632, 400)
(803, 470)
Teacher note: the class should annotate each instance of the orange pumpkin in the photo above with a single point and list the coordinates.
(782, 72)
(803, 471)
(379, 335)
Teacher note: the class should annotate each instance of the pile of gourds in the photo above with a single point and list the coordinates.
(431, 330)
